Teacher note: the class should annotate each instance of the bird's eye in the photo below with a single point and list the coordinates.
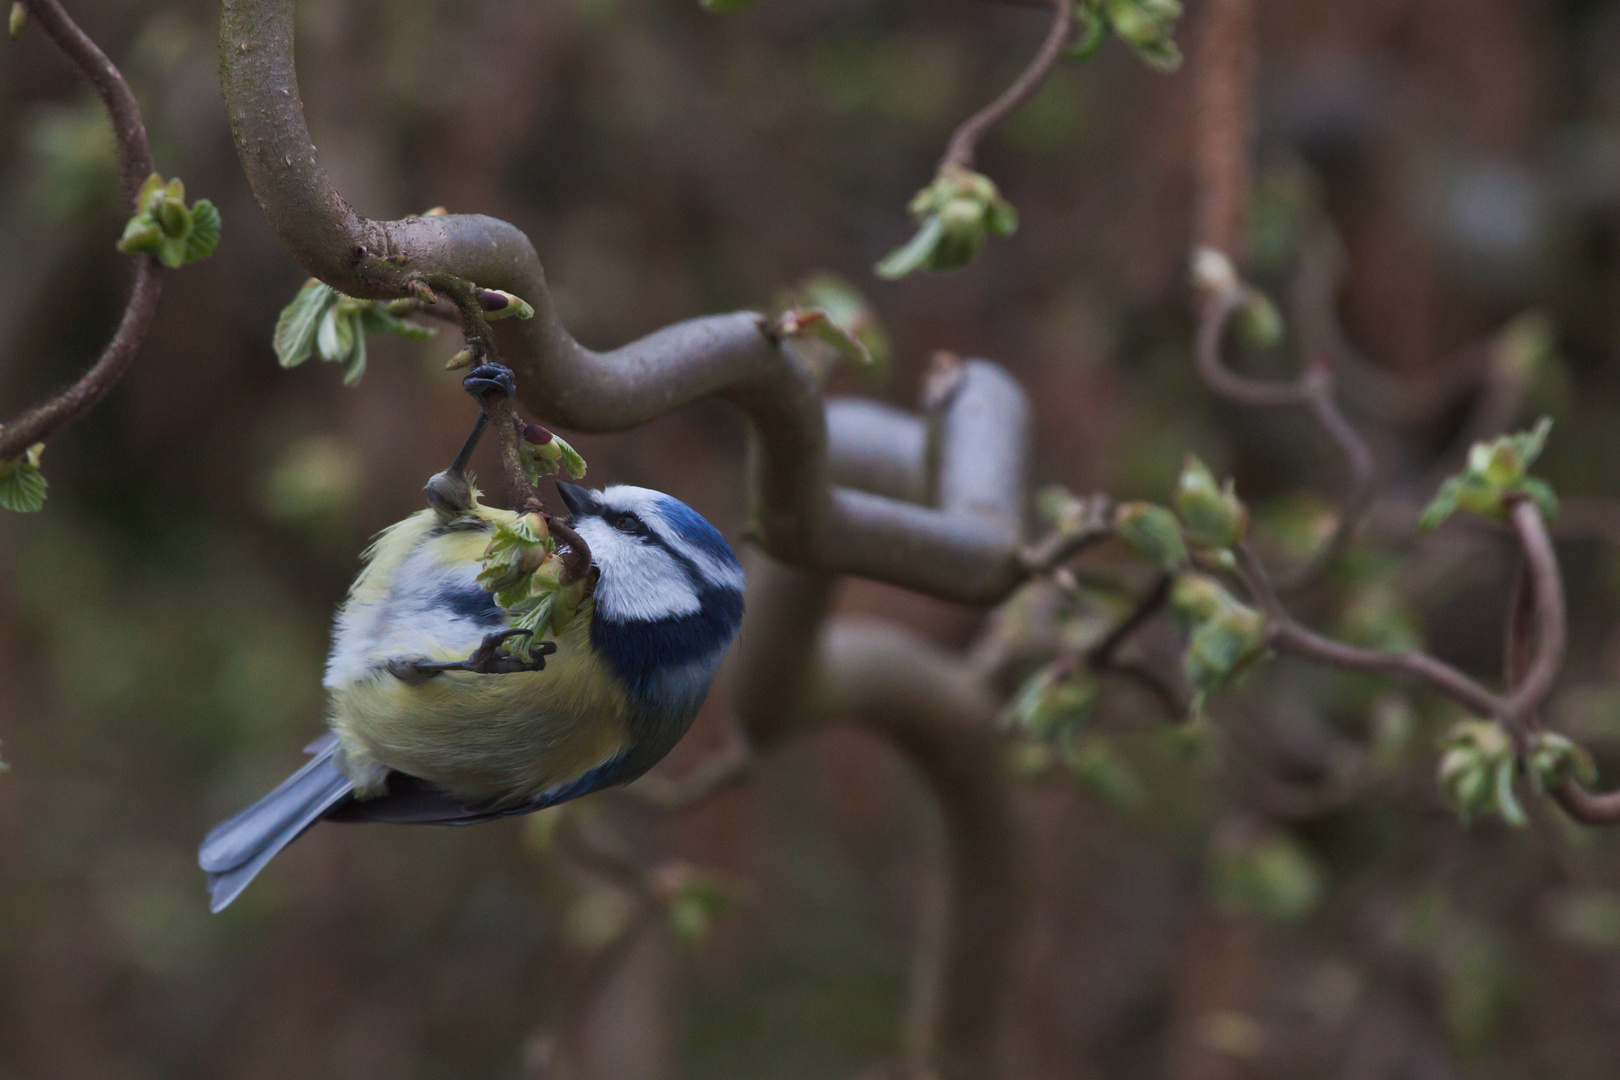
(627, 523)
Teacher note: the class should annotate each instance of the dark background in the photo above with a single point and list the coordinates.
(163, 622)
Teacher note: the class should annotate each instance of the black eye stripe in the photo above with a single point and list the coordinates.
(627, 521)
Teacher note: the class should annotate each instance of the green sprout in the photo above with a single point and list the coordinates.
(955, 214)
(22, 485)
(1496, 474)
(166, 227)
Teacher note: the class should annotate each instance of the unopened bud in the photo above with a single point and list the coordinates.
(19, 17)
(437, 211)
(421, 290)
(538, 524)
(171, 217)
(1199, 596)
(462, 359)
(1213, 516)
(1153, 532)
(1212, 271)
(536, 435)
(962, 217)
(1260, 321)
(500, 304)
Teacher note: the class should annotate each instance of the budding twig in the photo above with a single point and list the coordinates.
(134, 165)
(965, 140)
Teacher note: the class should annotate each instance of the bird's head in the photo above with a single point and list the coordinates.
(669, 597)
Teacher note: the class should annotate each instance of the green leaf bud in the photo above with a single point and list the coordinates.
(1199, 597)
(500, 304)
(22, 485)
(1552, 759)
(1213, 516)
(1259, 321)
(1476, 769)
(19, 18)
(1153, 532)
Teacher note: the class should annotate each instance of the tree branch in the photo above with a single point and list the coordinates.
(42, 421)
(1286, 635)
(953, 552)
(964, 142)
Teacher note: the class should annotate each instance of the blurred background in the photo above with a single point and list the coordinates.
(163, 621)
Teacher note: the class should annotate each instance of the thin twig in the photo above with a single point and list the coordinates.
(965, 140)
(1101, 655)
(1286, 635)
(1313, 390)
(1547, 590)
(42, 421)
(1052, 551)
(1535, 647)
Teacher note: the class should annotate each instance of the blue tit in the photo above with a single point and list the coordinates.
(420, 734)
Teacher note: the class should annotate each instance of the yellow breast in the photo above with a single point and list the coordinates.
(502, 737)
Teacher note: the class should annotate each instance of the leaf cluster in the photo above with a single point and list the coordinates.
(322, 321)
(1496, 474)
(166, 227)
(1147, 26)
(956, 214)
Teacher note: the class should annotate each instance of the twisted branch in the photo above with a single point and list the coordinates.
(799, 516)
(42, 421)
(964, 142)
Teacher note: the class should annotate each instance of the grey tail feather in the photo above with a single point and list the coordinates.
(234, 851)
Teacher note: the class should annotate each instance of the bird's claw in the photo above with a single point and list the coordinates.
(488, 659)
(490, 380)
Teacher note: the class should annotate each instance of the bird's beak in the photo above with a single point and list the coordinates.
(579, 500)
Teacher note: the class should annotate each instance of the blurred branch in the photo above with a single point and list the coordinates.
(964, 142)
(1313, 390)
(1535, 646)
(1286, 635)
(42, 421)
(791, 676)
(953, 552)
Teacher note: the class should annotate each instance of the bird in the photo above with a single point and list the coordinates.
(432, 722)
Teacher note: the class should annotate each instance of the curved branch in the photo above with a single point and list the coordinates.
(1313, 390)
(1286, 635)
(964, 142)
(42, 421)
(791, 676)
(798, 515)
(1546, 590)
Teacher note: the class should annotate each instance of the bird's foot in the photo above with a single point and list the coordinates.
(488, 659)
(488, 381)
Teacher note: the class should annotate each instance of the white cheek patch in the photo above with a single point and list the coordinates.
(649, 505)
(640, 582)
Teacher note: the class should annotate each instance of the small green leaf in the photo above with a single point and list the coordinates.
(571, 461)
(915, 253)
(377, 319)
(354, 368)
(19, 18)
(1091, 33)
(205, 226)
(296, 327)
(335, 337)
(22, 485)
(1442, 506)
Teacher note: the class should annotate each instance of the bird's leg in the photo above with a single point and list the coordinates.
(488, 659)
(449, 493)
